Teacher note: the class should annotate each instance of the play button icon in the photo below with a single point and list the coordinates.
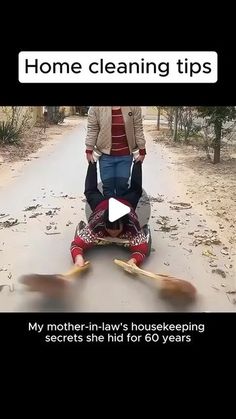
(116, 209)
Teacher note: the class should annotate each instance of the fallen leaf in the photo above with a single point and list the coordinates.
(208, 253)
(7, 224)
(32, 207)
(213, 265)
(50, 234)
(4, 215)
(188, 250)
(180, 205)
(224, 252)
(219, 272)
(35, 215)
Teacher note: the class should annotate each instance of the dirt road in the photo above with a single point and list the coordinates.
(44, 198)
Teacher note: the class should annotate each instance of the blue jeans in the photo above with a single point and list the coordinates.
(115, 173)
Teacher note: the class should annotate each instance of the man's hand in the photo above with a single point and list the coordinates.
(79, 261)
(132, 261)
(139, 158)
(90, 158)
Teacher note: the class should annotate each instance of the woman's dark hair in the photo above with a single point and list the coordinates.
(114, 225)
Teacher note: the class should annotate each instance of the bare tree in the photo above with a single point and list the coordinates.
(217, 116)
(169, 111)
(176, 115)
(158, 117)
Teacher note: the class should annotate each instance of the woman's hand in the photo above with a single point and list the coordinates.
(139, 158)
(90, 158)
(79, 261)
(132, 261)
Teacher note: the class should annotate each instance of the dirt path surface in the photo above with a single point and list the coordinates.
(41, 202)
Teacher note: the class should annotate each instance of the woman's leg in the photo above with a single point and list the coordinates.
(134, 193)
(122, 174)
(93, 195)
(107, 174)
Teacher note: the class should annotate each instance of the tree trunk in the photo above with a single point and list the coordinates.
(158, 118)
(170, 113)
(13, 116)
(217, 142)
(175, 135)
(53, 112)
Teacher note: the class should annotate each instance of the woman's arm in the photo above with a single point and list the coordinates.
(92, 131)
(82, 242)
(138, 130)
